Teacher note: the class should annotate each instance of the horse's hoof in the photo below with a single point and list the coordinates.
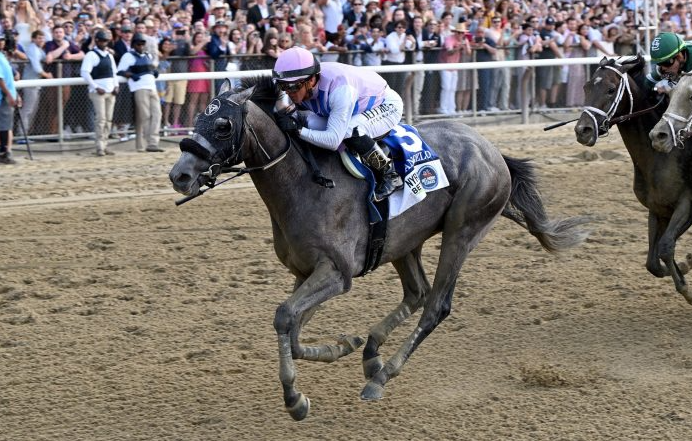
(372, 366)
(299, 410)
(351, 342)
(372, 391)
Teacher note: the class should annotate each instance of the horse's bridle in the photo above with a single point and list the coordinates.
(606, 124)
(683, 134)
(224, 163)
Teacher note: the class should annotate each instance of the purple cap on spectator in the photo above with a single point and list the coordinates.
(177, 25)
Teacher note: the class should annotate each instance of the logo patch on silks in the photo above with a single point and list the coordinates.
(655, 43)
(213, 107)
(428, 177)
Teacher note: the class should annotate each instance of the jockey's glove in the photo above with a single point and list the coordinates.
(288, 124)
(134, 77)
(664, 86)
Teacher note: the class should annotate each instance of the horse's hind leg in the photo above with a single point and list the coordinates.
(416, 286)
(468, 220)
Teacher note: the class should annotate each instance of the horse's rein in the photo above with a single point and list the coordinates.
(219, 168)
(607, 123)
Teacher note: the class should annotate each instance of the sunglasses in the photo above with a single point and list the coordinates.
(667, 63)
(291, 87)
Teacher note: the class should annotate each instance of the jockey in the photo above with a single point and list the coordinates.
(345, 103)
(672, 57)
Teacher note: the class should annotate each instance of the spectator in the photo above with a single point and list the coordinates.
(271, 46)
(99, 71)
(26, 22)
(61, 49)
(333, 15)
(577, 45)
(176, 90)
(431, 84)
(285, 41)
(198, 90)
(259, 14)
(165, 49)
(423, 9)
(9, 100)
(625, 43)
(529, 44)
(336, 45)
(451, 6)
(355, 17)
(123, 114)
(217, 48)
(219, 9)
(397, 43)
(499, 91)
(376, 47)
(32, 71)
(454, 43)
(484, 46)
(418, 76)
(545, 75)
(137, 67)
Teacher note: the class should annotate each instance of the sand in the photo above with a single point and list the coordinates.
(123, 316)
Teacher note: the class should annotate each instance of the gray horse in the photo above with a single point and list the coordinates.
(617, 94)
(321, 234)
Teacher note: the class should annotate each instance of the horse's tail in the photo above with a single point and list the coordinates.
(525, 207)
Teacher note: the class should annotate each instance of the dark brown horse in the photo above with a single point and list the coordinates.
(617, 92)
(321, 234)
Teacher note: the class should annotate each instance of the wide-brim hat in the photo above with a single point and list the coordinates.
(460, 27)
(217, 5)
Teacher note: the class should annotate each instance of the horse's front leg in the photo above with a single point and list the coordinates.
(324, 283)
(679, 223)
(656, 228)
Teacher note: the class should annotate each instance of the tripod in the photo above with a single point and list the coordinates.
(21, 126)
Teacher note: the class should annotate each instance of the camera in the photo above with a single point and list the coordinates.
(256, 34)
(180, 32)
(479, 39)
(10, 42)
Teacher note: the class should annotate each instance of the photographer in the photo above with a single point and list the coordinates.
(485, 51)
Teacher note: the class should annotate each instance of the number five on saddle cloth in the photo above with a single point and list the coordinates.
(414, 160)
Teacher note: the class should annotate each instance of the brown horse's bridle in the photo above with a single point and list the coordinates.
(606, 124)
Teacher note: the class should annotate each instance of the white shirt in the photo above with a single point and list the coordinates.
(146, 81)
(91, 60)
(333, 15)
(394, 42)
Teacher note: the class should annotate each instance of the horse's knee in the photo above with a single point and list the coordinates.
(284, 318)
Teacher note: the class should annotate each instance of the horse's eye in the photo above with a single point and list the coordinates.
(611, 91)
(223, 128)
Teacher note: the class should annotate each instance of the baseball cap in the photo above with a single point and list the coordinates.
(550, 21)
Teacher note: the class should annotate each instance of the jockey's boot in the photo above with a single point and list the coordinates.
(390, 180)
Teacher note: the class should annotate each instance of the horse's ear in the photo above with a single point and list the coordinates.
(603, 62)
(226, 86)
(243, 96)
(635, 64)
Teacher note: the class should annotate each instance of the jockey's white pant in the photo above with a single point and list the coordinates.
(375, 122)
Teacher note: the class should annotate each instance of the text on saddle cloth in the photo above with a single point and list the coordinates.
(414, 160)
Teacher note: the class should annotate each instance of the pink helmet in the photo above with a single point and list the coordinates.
(295, 64)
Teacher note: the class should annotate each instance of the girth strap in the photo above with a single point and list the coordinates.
(377, 234)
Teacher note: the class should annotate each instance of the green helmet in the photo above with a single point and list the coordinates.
(665, 46)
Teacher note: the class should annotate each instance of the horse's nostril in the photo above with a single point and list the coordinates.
(661, 135)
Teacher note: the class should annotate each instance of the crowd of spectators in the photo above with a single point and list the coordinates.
(48, 38)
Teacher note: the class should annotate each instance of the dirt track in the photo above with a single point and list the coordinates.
(124, 317)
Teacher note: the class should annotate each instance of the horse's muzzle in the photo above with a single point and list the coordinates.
(586, 135)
